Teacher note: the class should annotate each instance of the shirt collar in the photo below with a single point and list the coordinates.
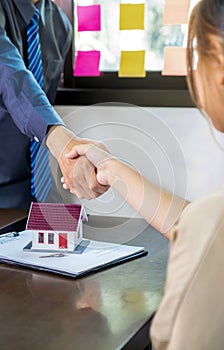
(26, 9)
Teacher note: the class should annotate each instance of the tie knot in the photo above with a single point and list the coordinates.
(34, 49)
(35, 18)
(36, 13)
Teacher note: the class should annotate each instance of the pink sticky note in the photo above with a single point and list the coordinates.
(175, 61)
(89, 18)
(87, 64)
(176, 12)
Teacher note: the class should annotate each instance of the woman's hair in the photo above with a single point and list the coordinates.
(207, 19)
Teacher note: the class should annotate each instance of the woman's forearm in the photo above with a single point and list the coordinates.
(158, 207)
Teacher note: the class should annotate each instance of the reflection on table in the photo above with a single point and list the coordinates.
(104, 310)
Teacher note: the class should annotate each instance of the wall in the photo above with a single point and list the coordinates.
(172, 147)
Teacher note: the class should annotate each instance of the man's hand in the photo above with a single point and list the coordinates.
(99, 157)
(79, 174)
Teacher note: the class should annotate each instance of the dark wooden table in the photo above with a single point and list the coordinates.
(107, 310)
(12, 220)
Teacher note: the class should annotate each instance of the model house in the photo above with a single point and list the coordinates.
(56, 227)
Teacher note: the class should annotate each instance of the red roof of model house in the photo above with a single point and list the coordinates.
(55, 217)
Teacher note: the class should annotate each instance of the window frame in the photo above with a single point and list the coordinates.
(154, 90)
(41, 237)
(50, 238)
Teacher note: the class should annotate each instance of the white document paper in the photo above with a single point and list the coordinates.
(95, 256)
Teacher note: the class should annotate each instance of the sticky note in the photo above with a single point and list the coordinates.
(175, 61)
(132, 16)
(87, 64)
(132, 64)
(89, 18)
(176, 12)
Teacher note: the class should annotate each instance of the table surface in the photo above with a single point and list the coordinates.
(12, 219)
(10, 216)
(105, 310)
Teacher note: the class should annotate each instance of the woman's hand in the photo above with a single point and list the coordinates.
(79, 174)
(98, 155)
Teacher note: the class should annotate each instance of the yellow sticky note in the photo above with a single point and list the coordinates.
(175, 61)
(132, 64)
(176, 12)
(132, 16)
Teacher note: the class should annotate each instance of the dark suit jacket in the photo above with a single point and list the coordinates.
(24, 110)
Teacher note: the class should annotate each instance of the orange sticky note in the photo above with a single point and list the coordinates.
(132, 16)
(175, 61)
(132, 64)
(176, 12)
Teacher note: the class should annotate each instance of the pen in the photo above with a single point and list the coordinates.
(54, 255)
(10, 234)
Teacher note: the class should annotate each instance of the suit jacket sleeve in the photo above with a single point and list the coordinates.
(21, 95)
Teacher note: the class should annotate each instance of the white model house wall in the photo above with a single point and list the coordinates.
(73, 239)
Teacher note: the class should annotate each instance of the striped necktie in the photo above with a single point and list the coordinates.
(40, 169)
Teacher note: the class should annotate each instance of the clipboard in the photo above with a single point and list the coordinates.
(96, 256)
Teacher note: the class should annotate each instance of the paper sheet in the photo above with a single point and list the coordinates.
(132, 16)
(176, 12)
(96, 254)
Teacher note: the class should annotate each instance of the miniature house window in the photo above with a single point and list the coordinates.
(50, 238)
(40, 237)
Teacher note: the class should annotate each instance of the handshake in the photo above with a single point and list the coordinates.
(83, 162)
(92, 173)
(88, 171)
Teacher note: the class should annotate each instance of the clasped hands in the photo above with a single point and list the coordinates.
(95, 158)
(82, 163)
(88, 177)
